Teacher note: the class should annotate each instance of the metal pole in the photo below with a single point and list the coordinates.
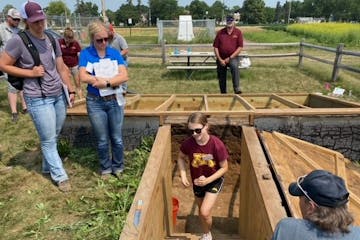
(223, 11)
(289, 13)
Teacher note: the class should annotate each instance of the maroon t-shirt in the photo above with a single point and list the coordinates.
(227, 44)
(204, 160)
(70, 53)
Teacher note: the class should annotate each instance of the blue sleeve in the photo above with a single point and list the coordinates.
(83, 58)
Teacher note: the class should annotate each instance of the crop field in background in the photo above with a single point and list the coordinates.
(329, 33)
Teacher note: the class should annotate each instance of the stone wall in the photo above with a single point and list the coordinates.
(77, 130)
(339, 133)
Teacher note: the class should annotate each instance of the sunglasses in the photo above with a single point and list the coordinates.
(196, 130)
(298, 183)
(101, 40)
(16, 19)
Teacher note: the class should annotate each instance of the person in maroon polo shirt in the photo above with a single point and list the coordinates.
(227, 45)
(70, 49)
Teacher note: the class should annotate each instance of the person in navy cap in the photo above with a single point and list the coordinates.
(323, 204)
(227, 45)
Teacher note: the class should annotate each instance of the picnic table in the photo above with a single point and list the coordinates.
(190, 61)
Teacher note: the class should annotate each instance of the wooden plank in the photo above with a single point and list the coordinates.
(260, 203)
(312, 164)
(339, 164)
(317, 147)
(245, 103)
(133, 99)
(206, 103)
(287, 101)
(340, 168)
(164, 106)
(152, 191)
(282, 169)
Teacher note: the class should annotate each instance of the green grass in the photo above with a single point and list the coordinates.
(271, 36)
(31, 207)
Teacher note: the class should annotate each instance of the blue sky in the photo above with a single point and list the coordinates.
(115, 4)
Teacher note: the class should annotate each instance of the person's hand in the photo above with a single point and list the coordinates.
(200, 181)
(185, 182)
(222, 62)
(99, 83)
(227, 60)
(72, 98)
(38, 71)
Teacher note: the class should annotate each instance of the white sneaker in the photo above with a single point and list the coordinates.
(206, 236)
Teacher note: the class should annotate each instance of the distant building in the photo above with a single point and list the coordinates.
(309, 20)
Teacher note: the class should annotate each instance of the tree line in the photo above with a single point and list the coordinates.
(251, 12)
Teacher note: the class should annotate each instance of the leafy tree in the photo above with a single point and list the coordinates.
(87, 9)
(6, 9)
(278, 12)
(163, 9)
(57, 8)
(269, 14)
(198, 9)
(254, 11)
(111, 15)
(127, 11)
(216, 11)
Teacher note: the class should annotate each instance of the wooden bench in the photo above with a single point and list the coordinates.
(193, 61)
(197, 67)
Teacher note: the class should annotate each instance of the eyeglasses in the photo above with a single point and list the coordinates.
(196, 130)
(298, 182)
(16, 19)
(101, 40)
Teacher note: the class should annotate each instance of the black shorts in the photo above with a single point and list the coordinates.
(213, 187)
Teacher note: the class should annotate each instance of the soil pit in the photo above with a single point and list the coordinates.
(226, 211)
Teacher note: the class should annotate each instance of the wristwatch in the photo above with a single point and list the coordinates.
(108, 83)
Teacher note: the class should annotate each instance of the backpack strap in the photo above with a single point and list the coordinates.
(52, 40)
(34, 53)
(31, 47)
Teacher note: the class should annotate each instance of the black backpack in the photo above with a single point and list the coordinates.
(18, 82)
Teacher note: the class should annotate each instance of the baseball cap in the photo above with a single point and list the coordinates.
(14, 13)
(229, 19)
(322, 187)
(32, 12)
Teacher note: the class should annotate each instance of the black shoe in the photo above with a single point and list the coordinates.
(24, 111)
(238, 92)
(14, 117)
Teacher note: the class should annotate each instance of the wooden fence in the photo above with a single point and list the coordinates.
(301, 54)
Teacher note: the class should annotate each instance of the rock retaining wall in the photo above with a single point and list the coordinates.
(339, 133)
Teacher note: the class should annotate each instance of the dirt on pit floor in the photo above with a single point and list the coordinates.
(226, 210)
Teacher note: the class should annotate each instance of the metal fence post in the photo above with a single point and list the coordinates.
(337, 62)
(301, 52)
(163, 51)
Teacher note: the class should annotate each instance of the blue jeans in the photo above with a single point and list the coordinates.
(106, 118)
(48, 115)
(235, 74)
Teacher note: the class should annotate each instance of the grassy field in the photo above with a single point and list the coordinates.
(31, 207)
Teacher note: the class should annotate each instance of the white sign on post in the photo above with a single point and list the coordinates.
(185, 28)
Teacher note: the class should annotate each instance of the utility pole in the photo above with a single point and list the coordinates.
(289, 13)
(223, 12)
(103, 8)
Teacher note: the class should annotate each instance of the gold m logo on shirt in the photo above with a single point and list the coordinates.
(201, 159)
